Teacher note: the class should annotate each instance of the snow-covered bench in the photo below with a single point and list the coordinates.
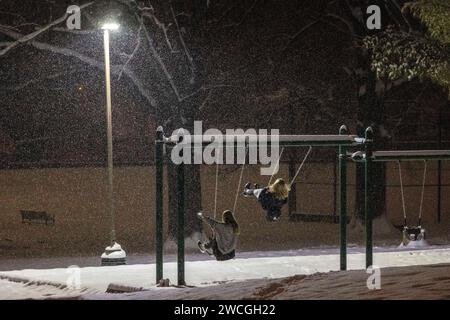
(37, 217)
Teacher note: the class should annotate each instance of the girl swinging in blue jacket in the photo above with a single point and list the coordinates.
(272, 198)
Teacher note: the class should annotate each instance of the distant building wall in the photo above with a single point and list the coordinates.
(77, 197)
(412, 173)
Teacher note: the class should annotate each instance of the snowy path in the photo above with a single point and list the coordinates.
(210, 272)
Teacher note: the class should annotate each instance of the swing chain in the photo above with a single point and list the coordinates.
(240, 181)
(423, 190)
(276, 166)
(217, 178)
(402, 192)
(301, 165)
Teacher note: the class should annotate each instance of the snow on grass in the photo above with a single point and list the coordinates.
(410, 282)
(211, 272)
(22, 288)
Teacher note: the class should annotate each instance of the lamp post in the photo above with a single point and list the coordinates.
(113, 255)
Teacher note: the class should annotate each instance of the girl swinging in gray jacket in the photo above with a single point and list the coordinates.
(224, 238)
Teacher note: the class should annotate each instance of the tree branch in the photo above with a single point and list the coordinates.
(34, 81)
(161, 26)
(88, 60)
(136, 48)
(159, 60)
(36, 33)
(186, 51)
(247, 12)
(297, 34)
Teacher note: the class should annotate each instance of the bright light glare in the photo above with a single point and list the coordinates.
(110, 26)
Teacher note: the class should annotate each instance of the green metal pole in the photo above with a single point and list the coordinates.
(343, 201)
(159, 196)
(180, 223)
(368, 198)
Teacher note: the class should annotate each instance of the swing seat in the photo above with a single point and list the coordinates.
(413, 237)
(219, 255)
(414, 233)
(223, 257)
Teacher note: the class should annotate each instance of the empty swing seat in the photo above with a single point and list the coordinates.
(414, 233)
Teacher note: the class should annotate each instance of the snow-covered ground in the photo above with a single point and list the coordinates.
(21, 288)
(410, 282)
(250, 265)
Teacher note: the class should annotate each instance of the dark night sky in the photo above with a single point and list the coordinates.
(57, 99)
(53, 105)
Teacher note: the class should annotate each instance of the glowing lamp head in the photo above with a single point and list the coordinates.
(110, 26)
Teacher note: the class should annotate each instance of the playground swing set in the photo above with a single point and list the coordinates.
(415, 233)
(342, 141)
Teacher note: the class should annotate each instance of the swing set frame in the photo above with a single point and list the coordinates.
(342, 141)
(368, 157)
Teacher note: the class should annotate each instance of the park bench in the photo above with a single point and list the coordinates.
(29, 216)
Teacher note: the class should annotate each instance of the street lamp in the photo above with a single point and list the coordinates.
(113, 255)
(110, 26)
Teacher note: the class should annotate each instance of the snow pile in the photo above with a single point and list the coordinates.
(114, 252)
(414, 244)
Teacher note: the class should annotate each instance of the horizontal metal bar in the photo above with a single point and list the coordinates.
(284, 144)
(416, 185)
(410, 155)
(255, 140)
(267, 138)
(401, 155)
